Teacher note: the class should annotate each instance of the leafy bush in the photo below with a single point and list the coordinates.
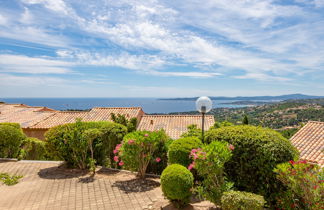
(8, 179)
(222, 124)
(138, 149)
(236, 200)
(209, 163)
(10, 139)
(70, 143)
(193, 131)
(121, 119)
(155, 167)
(305, 185)
(257, 152)
(33, 149)
(16, 125)
(176, 182)
(179, 150)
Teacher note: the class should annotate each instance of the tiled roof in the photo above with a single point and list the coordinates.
(104, 113)
(174, 125)
(309, 140)
(25, 115)
(59, 118)
(95, 114)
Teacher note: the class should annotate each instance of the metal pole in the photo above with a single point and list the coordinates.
(203, 126)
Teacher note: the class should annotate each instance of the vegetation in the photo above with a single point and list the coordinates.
(236, 200)
(137, 150)
(193, 131)
(304, 183)
(257, 152)
(176, 183)
(33, 149)
(281, 115)
(121, 119)
(8, 179)
(11, 137)
(180, 149)
(71, 142)
(209, 163)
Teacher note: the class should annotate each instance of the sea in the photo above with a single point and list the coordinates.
(149, 105)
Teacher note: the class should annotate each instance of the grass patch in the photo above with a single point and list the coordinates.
(8, 179)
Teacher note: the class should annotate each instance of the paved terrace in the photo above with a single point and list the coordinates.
(45, 186)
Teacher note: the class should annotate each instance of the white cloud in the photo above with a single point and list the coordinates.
(25, 81)
(32, 65)
(3, 20)
(186, 74)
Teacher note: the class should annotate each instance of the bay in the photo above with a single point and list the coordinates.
(149, 105)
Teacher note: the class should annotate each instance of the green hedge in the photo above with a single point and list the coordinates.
(68, 142)
(11, 137)
(236, 200)
(257, 152)
(179, 150)
(176, 182)
(16, 125)
(33, 149)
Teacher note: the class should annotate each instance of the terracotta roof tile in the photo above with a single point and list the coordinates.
(309, 140)
(95, 114)
(25, 115)
(174, 125)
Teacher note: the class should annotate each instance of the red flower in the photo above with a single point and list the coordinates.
(157, 159)
(121, 163)
(231, 147)
(291, 162)
(116, 158)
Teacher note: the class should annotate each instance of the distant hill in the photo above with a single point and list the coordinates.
(279, 115)
(254, 98)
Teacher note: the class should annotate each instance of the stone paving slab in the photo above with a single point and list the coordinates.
(47, 186)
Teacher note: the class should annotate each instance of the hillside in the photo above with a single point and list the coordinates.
(255, 98)
(281, 115)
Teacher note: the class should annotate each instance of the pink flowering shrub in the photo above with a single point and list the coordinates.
(304, 183)
(209, 162)
(138, 149)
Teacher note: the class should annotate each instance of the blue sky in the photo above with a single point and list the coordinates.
(167, 48)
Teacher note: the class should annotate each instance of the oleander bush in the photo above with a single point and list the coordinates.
(70, 143)
(176, 184)
(209, 162)
(138, 150)
(11, 137)
(304, 184)
(33, 149)
(179, 150)
(257, 152)
(236, 200)
(161, 152)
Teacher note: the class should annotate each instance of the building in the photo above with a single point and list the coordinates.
(35, 121)
(96, 114)
(174, 125)
(309, 140)
(26, 116)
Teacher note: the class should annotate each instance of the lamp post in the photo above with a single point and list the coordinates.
(203, 105)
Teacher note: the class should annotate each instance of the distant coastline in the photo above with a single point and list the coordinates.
(252, 98)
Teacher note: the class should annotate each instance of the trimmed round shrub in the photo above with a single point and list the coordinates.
(16, 125)
(10, 140)
(236, 200)
(179, 150)
(257, 152)
(176, 183)
(33, 149)
(68, 142)
(138, 150)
